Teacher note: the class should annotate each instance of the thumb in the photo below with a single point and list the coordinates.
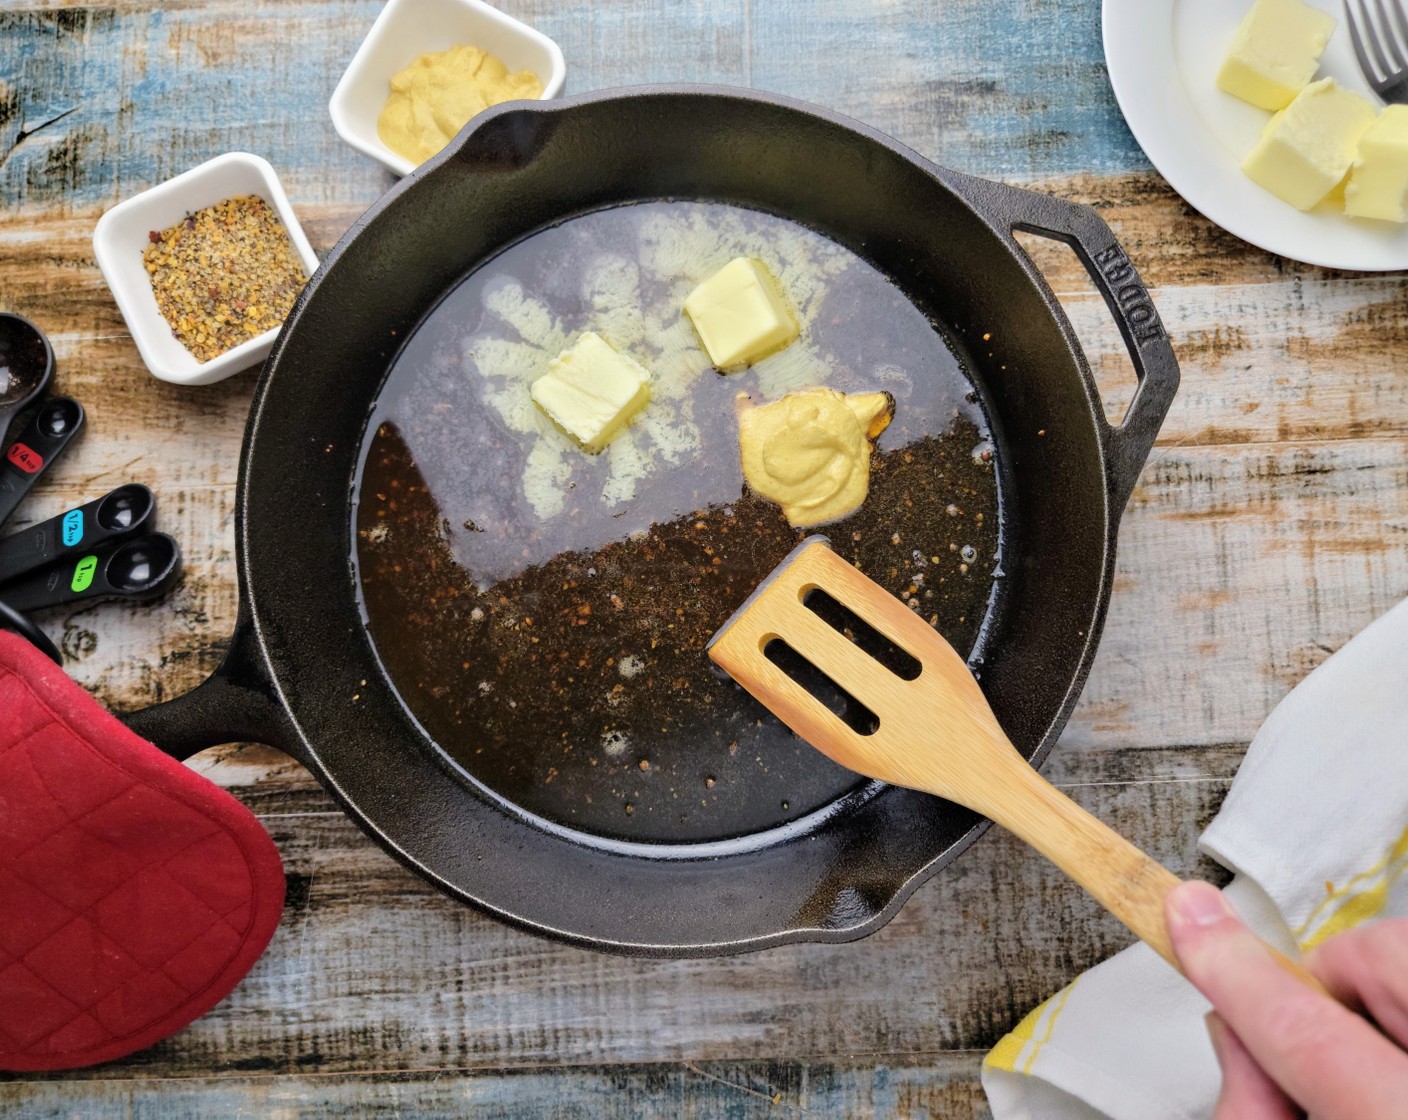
(1329, 1060)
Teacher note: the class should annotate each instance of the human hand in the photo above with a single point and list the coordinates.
(1283, 1047)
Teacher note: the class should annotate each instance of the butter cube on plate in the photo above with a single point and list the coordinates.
(1378, 181)
(1307, 147)
(740, 314)
(591, 391)
(1275, 52)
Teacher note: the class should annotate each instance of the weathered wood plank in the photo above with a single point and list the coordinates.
(1265, 358)
(1311, 358)
(1241, 569)
(1293, 362)
(996, 87)
(1167, 239)
(943, 1086)
(151, 88)
(372, 970)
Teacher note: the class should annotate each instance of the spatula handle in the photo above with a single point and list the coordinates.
(1128, 883)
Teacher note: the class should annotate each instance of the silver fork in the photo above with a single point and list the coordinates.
(1381, 45)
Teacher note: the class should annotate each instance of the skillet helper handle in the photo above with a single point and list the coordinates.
(1127, 445)
(235, 704)
(1130, 884)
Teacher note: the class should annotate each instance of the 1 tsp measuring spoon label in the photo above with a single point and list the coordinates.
(83, 574)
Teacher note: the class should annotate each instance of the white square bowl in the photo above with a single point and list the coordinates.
(122, 234)
(407, 29)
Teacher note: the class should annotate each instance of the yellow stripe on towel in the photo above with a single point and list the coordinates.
(1008, 1051)
(1361, 898)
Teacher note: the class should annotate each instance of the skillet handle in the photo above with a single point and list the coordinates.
(236, 703)
(1127, 444)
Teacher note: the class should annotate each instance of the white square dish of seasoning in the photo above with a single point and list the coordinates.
(407, 29)
(123, 233)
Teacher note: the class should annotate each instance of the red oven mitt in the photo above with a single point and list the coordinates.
(134, 894)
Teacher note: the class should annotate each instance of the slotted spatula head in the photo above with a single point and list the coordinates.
(933, 731)
(924, 724)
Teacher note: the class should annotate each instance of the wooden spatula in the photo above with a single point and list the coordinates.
(935, 732)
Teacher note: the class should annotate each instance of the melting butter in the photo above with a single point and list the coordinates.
(740, 314)
(591, 391)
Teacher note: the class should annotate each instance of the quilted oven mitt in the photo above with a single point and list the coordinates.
(134, 894)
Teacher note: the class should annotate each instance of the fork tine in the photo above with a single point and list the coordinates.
(1354, 16)
(1400, 19)
(1400, 15)
(1390, 40)
(1375, 40)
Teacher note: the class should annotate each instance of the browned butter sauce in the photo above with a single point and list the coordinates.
(543, 613)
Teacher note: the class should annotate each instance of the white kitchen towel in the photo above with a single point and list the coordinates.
(1315, 828)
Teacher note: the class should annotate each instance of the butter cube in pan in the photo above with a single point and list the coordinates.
(740, 315)
(591, 391)
(1306, 148)
(1275, 52)
(1378, 182)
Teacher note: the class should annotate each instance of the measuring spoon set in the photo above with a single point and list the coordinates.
(104, 549)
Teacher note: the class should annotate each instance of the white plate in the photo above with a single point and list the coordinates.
(1163, 57)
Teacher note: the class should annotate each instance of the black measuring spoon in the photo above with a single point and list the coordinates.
(52, 428)
(141, 568)
(26, 366)
(118, 514)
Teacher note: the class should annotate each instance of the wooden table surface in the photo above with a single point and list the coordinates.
(1270, 524)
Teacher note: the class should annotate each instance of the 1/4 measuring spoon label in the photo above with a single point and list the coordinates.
(25, 457)
(83, 574)
(73, 527)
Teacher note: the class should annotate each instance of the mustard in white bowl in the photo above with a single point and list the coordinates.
(405, 31)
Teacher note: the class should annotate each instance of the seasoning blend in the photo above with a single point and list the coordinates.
(224, 275)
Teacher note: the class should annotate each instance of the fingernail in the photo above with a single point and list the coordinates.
(1199, 904)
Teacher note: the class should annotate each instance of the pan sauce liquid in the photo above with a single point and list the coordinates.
(543, 613)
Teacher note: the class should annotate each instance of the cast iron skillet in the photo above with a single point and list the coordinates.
(301, 674)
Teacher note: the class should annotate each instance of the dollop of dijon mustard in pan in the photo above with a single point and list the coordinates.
(810, 451)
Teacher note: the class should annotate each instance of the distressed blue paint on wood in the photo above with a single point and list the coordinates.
(1004, 88)
(1007, 89)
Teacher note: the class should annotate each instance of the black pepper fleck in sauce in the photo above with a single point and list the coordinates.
(560, 660)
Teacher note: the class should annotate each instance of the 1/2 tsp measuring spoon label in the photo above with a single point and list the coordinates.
(72, 528)
(83, 574)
